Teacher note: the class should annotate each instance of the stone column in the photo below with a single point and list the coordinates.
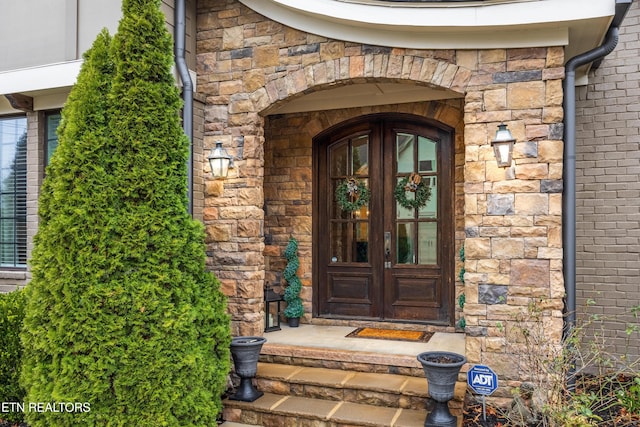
(233, 208)
(234, 217)
(513, 246)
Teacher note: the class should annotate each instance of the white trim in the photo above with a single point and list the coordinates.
(438, 25)
(44, 77)
(443, 15)
(49, 85)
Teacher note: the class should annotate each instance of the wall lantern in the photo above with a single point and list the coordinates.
(503, 146)
(220, 161)
(272, 302)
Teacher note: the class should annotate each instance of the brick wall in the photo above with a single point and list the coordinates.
(199, 157)
(608, 191)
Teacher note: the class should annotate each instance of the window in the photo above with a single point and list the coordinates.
(13, 192)
(51, 124)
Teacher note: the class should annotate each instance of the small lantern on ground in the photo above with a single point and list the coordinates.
(503, 146)
(220, 161)
(272, 302)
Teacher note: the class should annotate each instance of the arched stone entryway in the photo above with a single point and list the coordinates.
(234, 216)
(289, 179)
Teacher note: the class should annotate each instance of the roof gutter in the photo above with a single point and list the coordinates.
(569, 196)
(187, 90)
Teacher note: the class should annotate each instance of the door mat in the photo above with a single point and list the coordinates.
(391, 334)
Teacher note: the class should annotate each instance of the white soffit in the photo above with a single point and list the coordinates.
(578, 24)
(27, 80)
(362, 94)
(49, 84)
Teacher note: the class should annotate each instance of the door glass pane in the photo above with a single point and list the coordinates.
(426, 155)
(404, 152)
(339, 239)
(360, 155)
(349, 227)
(362, 242)
(404, 244)
(339, 159)
(338, 212)
(427, 243)
(402, 212)
(430, 210)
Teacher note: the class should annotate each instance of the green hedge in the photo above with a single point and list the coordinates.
(11, 316)
(121, 313)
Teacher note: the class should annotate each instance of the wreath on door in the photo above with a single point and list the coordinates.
(352, 194)
(412, 184)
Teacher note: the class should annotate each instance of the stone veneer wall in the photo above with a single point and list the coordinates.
(513, 216)
(248, 65)
(608, 192)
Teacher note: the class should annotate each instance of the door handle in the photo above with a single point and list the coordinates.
(387, 249)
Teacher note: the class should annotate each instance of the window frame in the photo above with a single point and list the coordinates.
(20, 216)
(47, 139)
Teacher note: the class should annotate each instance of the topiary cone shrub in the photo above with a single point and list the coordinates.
(122, 316)
(294, 308)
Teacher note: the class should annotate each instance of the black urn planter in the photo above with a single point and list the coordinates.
(245, 352)
(441, 369)
(293, 322)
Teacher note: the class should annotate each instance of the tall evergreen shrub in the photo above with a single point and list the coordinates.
(11, 316)
(121, 312)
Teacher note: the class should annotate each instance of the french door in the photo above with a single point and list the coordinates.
(390, 258)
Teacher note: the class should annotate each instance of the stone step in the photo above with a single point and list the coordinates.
(332, 385)
(388, 390)
(346, 360)
(322, 397)
(274, 410)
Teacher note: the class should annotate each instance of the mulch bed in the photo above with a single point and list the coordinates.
(473, 417)
(609, 411)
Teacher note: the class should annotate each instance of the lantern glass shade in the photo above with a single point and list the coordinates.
(503, 146)
(272, 303)
(220, 161)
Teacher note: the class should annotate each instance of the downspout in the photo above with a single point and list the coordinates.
(569, 196)
(187, 90)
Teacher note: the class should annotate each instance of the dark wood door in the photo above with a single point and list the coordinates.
(381, 260)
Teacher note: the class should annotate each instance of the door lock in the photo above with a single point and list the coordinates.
(387, 249)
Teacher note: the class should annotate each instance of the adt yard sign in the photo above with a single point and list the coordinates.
(482, 380)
